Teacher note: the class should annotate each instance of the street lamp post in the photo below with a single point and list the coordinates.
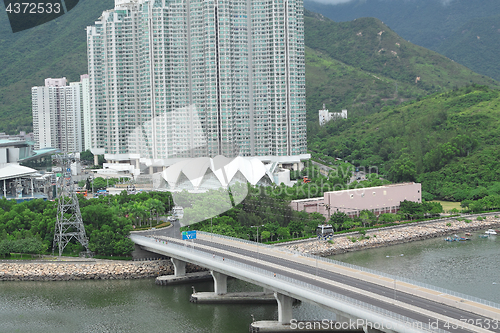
(257, 226)
(211, 228)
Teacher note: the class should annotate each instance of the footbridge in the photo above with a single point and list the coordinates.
(358, 296)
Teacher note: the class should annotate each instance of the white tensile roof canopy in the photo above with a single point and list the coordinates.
(199, 171)
(15, 171)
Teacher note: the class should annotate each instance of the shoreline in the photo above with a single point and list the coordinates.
(102, 269)
(393, 236)
(93, 269)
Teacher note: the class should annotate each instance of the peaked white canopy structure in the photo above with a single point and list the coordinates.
(210, 173)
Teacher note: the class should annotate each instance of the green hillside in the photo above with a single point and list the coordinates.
(343, 69)
(27, 58)
(476, 45)
(447, 141)
(437, 25)
(341, 86)
(382, 57)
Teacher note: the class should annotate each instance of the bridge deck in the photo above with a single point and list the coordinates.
(401, 298)
(277, 252)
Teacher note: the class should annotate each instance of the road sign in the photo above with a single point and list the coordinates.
(189, 234)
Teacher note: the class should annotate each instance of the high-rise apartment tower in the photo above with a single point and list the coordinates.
(58, 114)
(198, 78)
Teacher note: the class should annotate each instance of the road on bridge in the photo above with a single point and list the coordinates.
(371, 293)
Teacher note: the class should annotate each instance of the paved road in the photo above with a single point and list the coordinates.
(283, 266)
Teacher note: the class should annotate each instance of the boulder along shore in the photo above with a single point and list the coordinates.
(379, 238)
(86, 270)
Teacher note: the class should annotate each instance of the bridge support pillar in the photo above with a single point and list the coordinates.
(179, 267)
(220, 283)
(284, 308)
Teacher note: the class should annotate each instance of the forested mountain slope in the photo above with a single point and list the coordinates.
(447, 141)
(362, 66)
(434, 24)
(355, 65)
(476, 45)
(55, 49)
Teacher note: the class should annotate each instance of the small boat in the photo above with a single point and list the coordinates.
(456, 239)
(490, 232)
(468, 234)
(483, 236)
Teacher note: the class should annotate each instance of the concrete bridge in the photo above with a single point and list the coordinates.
(359, 297)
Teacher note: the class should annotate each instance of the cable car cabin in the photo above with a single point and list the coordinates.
(306, 180)
(324, 230)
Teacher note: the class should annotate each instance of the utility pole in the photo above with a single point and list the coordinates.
(69, 223)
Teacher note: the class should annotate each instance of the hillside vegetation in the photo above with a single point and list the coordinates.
(441, 26)
(446, 141)
(54, 49)
(343, 69)
(381, 60)
(476, 45)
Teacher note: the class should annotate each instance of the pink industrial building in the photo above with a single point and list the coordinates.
(380, 199)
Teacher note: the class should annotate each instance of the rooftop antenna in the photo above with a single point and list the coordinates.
(69, 222)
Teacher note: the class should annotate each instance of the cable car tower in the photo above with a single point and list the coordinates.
(69, 222)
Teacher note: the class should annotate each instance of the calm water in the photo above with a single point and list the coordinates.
(141, 306)
(470, 267)
(128, 306)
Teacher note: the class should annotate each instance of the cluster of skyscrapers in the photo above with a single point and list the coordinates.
(181, 79)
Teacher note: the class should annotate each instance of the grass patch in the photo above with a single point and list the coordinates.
(449, 205)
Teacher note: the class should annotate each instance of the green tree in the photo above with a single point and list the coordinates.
(264, 235)
(296, 227)
(387, 218)
(283, 232)
(99, 183)
(337, 219)
(367, 218)
(403, 169)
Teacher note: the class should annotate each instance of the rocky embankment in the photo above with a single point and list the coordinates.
(379, 238)
(86, 270)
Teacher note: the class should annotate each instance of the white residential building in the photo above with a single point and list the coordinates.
(200, 78)
(58, 115)
(325, 115)
(84, 86)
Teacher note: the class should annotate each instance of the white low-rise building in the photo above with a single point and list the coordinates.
(325, 115)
